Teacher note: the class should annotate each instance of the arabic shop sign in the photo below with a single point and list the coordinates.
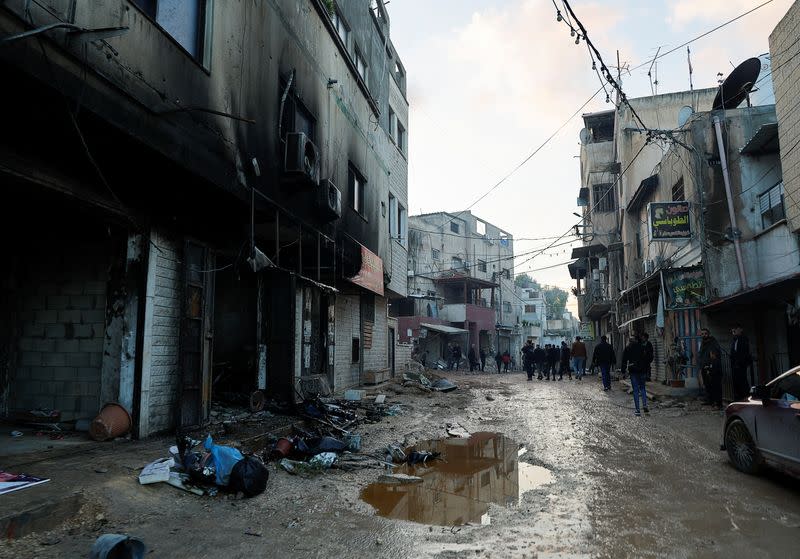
(669, 221)
(686, 287)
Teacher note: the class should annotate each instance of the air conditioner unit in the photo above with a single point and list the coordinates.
(301, 160)
(329, 201)
(649, 267)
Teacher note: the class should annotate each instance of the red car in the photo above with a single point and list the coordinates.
(765, 429)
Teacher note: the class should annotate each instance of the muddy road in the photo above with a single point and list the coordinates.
(554, 469)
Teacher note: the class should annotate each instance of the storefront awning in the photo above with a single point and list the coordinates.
(770, 293)
(625, 325)
(588, 250)
(444, 329)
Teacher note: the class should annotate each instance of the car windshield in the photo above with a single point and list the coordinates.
(787, 389)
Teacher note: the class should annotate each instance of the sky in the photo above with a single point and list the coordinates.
(490, 80)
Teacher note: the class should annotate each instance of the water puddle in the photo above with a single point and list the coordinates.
(458, 489)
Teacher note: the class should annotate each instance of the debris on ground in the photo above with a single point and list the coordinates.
(14, 482)
(117, 546)
(399, 479)
(456, 431)
(157, 471)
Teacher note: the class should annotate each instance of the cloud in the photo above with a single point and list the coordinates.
(684, 13)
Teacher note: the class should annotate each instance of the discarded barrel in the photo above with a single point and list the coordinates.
(112, 421)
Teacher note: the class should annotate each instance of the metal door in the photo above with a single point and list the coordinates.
(196, 336)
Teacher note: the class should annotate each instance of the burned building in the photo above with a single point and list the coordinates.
(201, 199)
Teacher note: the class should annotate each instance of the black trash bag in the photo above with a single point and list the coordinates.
(200, 467)
(249, 475)
(329, 444)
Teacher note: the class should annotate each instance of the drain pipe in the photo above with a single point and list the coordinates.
(731, 213)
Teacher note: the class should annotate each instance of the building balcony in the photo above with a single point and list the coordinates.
(594, 304)
(467, 312)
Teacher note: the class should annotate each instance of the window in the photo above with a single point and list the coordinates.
(480, 227)
(456, 263)
(533, 295)
(530, 309)
(787, 389)
(638, 245)
(482, 265)
(361, 66)
(506, 307)
(186, 21)
(355, 354)
(401, 137)
(506, 273)
(678, 193)
(436, 254)
(454, 227)
(296, 117)
(603, 197)
(341, 27)
(397, 131)
(356, 184)
(771, 204)
(398, 221)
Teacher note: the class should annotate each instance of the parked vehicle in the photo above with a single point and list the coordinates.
(765, 429)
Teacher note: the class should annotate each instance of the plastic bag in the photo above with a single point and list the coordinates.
(249, 476)
(224, 458)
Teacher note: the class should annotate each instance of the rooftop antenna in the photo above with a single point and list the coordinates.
(650, 72)
(691, 70)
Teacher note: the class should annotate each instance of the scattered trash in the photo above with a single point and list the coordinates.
(395, 454)
(399, 479)
(42, 417)
(394, 410)
(283, 448)
(457, 431)
(354, 395)
(250, 533)
(296, 467)
(422, 456)
(224, 459)
(380, 398)
(444, 385)
(83, 425)
(353, 442)
(323, 460)
(14, 482)
(329, 444)
(112, 421)
(117, 546)
(16, 434)
(101, 470)
(249, 475)
(490, 398)
(156, 472)
(182, 481)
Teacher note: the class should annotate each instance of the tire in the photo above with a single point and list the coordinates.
(742, 451)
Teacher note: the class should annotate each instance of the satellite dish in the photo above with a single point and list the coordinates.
(585, 136)
(737, 85)
(684, 114)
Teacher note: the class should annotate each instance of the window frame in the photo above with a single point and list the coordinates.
(482, 265)
(340, 23)
(455, 228)
(771, 210)
(601, 201)
(357, 191)
(507, 307)
(362, 68)
(436, 254)
(530, 309)
(205, 21)
(453, 265)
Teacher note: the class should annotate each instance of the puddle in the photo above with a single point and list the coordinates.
(472, 473)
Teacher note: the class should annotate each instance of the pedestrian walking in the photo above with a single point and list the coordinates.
(634, 360)
(604, 357)
(456, 356)
(498, 358)
(710, 363)
(649, 353)
(506, 361)
(483, 359)
(553, 355)
(564, 362)
(740, 362)
(539, 358)
(579, 357)
(527, 359)
(472, 356)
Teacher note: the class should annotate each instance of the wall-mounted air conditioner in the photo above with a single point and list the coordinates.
(329, 201)
(301, 160)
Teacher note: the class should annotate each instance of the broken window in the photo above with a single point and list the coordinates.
(771, 205)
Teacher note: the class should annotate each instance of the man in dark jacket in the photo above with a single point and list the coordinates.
(552, 361)
(564, 365)
(527, 358)
(498, 358)
(740, 362)
(539, 359)
(710, 363)
(472, 356)
(649, 352)
(634, 359)
(482, 355)
(604, 357)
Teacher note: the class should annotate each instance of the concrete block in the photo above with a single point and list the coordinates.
(77, 359)
(81, 302)
(33, 330)
(34, 302)
(72, 288)
(25, 344)
(64, 373)
(58, 302)
(30, 358)
(66, 346)
(69, 316)
(100, 302)
(66, 403)
(44, 345)
(93, 316)
(94, 287)
(54, 359)
(55, 330)
(38, 372)
(88, 374)
(96, 360)
(46, 317)
(89, 405)
(95, 344)
(82, 331)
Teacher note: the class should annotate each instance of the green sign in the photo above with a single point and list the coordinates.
(669, 221)
(685, 287)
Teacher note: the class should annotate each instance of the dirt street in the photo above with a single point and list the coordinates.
(606, 484)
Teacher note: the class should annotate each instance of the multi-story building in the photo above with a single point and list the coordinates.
(461, 283)
(702, 235)
(533, 315)
(220, 190)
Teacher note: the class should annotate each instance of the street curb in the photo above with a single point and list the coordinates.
(40, 516)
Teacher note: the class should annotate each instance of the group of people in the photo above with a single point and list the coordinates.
(552, 359)
(709, 360)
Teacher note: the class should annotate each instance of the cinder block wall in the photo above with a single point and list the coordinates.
(348, 322)
(785, 51)
(61, 309)
(377, 357)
